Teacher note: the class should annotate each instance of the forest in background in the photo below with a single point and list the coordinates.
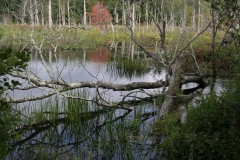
(177, 13)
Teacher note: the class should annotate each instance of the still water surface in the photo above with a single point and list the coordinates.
(60, 128)
(70, 133)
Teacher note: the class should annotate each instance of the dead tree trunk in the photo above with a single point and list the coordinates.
(174, 87)
(174, 93)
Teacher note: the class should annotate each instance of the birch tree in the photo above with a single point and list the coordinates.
(24, 4)
(36, 12)
(84, 14)
(50, 22)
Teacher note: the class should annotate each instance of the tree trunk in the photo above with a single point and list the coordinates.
(84, 14)
(36, 13)
(42, 14)
(174, 94)
(174, 88)
(214, 30)
(124, 14)
(63, 15)
(69, 20)
(172, 20)
(146, 16)
(24, 12)
(193, 16)
(116, 16)
(50, 23)
(162, 29)
(199, 15)
(31, 13)
(133, 18)
(184, 19)
(139, 17)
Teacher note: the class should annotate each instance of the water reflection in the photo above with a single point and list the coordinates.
(100, 55)
(67, 129)
(78, 132)
(104, 64)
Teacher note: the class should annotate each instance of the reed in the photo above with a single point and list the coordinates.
(126, 67)
(93, 130)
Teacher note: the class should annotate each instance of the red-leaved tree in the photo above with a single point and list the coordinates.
(100, 16)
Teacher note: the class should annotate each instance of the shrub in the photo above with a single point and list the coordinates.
(211, 129)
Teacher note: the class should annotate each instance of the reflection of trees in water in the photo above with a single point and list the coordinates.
(128, 68)
(101, 55)
(101, 134)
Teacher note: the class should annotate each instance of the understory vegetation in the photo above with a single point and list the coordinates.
(8, 117)
(210, 130)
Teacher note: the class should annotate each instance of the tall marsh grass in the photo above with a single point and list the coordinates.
(74, 128)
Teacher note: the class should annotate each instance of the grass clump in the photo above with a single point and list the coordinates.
(211, 129)
(129, 64)
(126, 67)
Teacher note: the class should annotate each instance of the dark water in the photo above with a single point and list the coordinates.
(63, 128)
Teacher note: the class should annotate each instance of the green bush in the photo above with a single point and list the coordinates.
(211, 129)
(9, 61)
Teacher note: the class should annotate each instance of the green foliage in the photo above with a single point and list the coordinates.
(9, 61)
(5, 126)
(211, 129)
(91, 38)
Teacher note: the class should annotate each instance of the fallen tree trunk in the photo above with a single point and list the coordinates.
(63, 85)
(57, 86)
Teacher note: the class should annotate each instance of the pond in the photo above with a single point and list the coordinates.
(63, 128)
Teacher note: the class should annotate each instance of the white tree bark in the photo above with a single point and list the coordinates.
(36, 13)
(63, 15)
(42, 14)
(24, 12)
(184, 18)
(146, 16)
(50, 22)
(133, 17)
(84, 14)
(31, 13)
(172, 20)
(116, 15)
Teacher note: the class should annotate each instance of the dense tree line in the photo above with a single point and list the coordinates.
(191, 13)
